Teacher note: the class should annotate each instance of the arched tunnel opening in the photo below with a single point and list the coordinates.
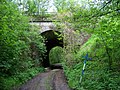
(52, 40)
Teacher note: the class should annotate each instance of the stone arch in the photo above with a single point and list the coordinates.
(51, 41)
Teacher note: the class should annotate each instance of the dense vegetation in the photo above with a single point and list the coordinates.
(21, 47)
(99, 20)
(90, 27)
(55, 55)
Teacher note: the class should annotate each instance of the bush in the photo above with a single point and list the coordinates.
(21, 46)
(97, 75)
(55, 55)
(15, 81)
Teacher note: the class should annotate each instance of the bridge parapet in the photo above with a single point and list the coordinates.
(44, 26)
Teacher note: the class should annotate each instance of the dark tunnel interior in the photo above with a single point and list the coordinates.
(51, 41)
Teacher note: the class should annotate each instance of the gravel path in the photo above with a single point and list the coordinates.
(51, 80)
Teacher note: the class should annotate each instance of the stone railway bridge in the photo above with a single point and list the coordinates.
(48, 30)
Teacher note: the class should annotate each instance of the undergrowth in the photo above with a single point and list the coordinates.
(55, 55)
(12, 82)
(97, 75)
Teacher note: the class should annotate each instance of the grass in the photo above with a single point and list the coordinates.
(8, 83)
(96, 75)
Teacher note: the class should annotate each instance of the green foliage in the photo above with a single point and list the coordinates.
(15, 81)
(61, 5)
(55, 55)
(9, 37)
(102, 21)
(21, 45)
(37, 46)
(108, 33)
(32, 7)
(22, 48)
(88, 47)
(96, 75)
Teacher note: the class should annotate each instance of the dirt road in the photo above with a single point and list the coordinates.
(50, 80)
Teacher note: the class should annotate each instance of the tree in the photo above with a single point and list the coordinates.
(15, 41)
(32, 7)
(97, 17)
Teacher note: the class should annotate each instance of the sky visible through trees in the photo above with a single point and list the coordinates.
(22, 48)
